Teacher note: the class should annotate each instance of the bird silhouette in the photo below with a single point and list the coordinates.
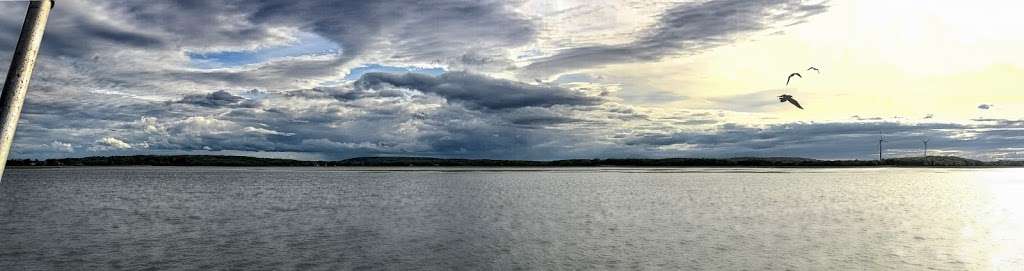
(791, 77)
(789, 98)
(814, 69)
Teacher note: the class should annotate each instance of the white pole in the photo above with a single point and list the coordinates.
(16, 85)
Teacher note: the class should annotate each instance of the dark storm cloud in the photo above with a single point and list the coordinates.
(542, 120)
(150, 41)
(207, 23)
(73, 31)
(98, 33)
(138, 45)
(9, 25)
(685, 29)
(534, 117)
(480, 91)
(215, 99)
(417, 30)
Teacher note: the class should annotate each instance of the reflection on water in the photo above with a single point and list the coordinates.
(1003, 216)
(253, 219)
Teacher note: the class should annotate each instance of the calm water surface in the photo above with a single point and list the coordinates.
(310, 219)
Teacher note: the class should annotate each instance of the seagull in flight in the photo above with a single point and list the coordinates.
(814, 69)
(789, 98)
(791, 77)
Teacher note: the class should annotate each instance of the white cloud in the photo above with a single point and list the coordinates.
(113, 143)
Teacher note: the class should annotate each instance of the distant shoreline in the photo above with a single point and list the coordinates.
(524, 168)
(738, 162)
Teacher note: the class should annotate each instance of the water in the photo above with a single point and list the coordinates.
(281, 218)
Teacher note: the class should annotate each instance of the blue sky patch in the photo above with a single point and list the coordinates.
(308, 44)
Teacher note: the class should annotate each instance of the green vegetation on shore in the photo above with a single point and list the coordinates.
(219, 160)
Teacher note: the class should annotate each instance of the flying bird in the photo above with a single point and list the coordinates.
(791, 77)
(789, 98)
(814, 69)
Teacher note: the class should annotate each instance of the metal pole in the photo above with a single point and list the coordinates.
(926, 160)
(880, 140)
(926, 149)
(18, 75)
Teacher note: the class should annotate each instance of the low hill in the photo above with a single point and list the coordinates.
(940, 161)
(163, 160)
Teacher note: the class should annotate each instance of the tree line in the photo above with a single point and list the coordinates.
(246, 161)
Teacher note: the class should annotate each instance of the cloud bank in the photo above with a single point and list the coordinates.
(686, 28)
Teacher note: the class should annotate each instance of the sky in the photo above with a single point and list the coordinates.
(523, 79)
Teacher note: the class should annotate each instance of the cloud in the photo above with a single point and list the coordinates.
(687, 28)
(858, 117)
(533, 117)
(215, 99)
(452, 115)
(986, 106)
(113, 143)
(1001, 122)
(836, 140)
(158, 48)
(758, 101)
(480, 91)
(350, 120)
(52, 148)
(414, 30)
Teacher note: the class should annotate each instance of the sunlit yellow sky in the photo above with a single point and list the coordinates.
(530, 79)
(878, 59)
